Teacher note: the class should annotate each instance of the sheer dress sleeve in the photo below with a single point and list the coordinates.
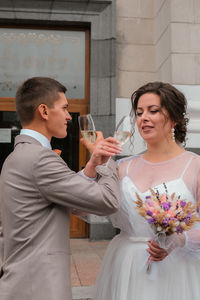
(192, 242)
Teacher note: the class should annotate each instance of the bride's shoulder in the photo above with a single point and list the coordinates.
(124, 164)
(195, 157)
(126, 160)
(193, 154)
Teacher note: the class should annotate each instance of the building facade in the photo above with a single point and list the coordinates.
(127, 43)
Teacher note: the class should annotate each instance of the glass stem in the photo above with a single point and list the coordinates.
(107, 163)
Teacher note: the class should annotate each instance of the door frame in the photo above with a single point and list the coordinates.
(78, 228)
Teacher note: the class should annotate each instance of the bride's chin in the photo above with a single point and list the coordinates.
(150, 140)
(146, 138)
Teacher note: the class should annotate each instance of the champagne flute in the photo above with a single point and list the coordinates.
(123, 131)
(87, 127)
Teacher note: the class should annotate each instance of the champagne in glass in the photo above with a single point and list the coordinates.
(124, 129)
(89, 135)
(87, 127)
(123, 132)
(122, 137)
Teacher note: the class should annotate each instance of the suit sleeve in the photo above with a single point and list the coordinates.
(59, 184)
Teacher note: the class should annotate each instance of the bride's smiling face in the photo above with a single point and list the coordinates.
(153, 121)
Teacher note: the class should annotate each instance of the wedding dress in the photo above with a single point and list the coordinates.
(123, 273)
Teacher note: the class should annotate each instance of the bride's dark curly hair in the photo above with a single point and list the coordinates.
(172, 100)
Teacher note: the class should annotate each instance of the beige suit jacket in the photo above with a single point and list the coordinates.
(37, 191)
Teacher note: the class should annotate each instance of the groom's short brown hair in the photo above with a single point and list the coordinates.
(36, 91)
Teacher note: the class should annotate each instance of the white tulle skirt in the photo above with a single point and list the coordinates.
(123, 274)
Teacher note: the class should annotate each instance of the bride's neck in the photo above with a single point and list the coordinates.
(162, 152)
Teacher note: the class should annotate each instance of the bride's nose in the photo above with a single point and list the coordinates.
(144, 116)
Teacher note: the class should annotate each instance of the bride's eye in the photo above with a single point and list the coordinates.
(138, 113)
(154, 111)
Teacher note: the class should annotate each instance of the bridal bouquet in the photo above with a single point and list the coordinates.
(166, 214)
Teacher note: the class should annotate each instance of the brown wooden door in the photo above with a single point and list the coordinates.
(78, 228)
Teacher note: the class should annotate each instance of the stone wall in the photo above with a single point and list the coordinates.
(135, 45)
(157, 40)
(162, 40)
(185, 41)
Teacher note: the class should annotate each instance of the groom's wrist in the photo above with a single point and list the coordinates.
(90, 170)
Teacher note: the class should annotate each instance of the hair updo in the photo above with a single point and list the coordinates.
(172, 100)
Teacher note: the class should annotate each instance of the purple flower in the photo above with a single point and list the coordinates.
(183, 203)
(179, 229)
(165, 222)
(152, 220)
(149, 213)
(148, 200)
(166, 205)
(187, 218)
(189, 215)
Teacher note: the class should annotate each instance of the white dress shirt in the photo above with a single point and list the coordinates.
(38, 136)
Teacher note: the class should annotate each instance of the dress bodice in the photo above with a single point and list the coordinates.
(124, 269)
(127, 218)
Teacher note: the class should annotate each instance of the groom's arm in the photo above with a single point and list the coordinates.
(60, 185)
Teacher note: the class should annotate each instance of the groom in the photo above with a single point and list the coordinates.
(37, 192)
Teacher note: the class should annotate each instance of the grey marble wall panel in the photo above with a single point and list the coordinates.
(106, 124)
(103, 57)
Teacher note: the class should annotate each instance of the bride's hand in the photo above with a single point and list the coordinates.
(156, 253)
(173, 241)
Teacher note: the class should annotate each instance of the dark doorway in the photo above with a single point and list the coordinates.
(69, 145)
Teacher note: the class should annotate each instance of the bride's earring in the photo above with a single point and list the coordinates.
(173, 134)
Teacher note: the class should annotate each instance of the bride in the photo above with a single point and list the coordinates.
(160, 110)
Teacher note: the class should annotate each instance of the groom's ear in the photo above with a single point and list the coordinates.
(43, 111)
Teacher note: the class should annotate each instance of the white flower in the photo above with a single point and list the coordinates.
(177, 223)
(159, 228)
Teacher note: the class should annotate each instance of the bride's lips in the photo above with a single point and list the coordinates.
(146, 128)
